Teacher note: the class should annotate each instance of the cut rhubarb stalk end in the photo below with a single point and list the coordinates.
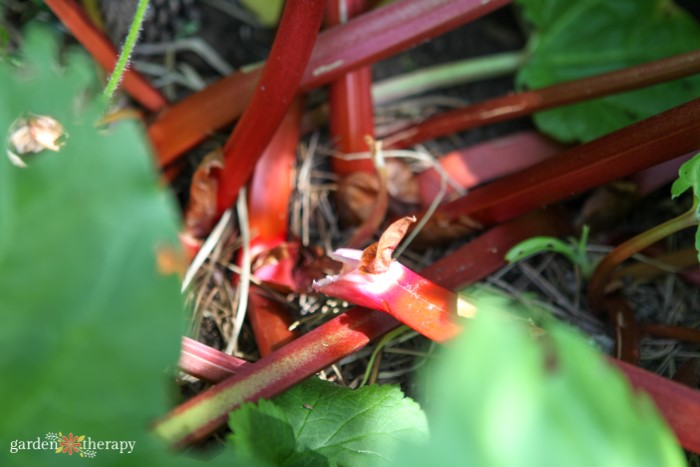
(370, 278)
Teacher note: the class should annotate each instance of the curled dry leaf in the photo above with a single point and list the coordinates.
(200, 214)
(358, 192)
(607, 204)
(370, 278)
(376, 258)
(440, 230)
(402, 182)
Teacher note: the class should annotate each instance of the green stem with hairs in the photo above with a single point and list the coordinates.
(126, 51)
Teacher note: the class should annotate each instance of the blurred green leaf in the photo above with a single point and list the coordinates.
(320, 423)
(576, 39)
(266, 11)
(497, 397)
(90, 325)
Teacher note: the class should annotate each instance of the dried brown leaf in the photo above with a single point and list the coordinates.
(200, 214)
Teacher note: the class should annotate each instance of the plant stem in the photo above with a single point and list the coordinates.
(103, 51)
(526, 103)
(449, 74)
(273, 96)
(481, 163)
(605, 270)
(350, 101)
(128, 47)
(366, 39)
(626, 151)
(268, 213)
(386, 339)
(207, 363)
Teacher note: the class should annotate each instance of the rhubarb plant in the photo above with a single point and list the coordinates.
(137, 293)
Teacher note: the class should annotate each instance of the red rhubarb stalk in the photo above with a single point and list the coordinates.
(626, 151)
(341, 336)
(268, 216)
(102, 50)
(481, 163)
(672, 332)
(278, 84)
(270, 321)
(350, 101)
(678, 404)
(385, 31)
(272, 184)
(366, 39)
(184, 124)
(526, 103)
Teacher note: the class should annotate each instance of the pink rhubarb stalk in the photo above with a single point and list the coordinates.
(102, 50)
(278, 84)
(371, 278)
(366, 39)
(207, 363)
(481, 163)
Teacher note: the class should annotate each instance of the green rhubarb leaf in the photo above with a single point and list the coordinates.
(689, 177)
(498, 397)
(320, 423)
(577, 39)
(90, 322)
